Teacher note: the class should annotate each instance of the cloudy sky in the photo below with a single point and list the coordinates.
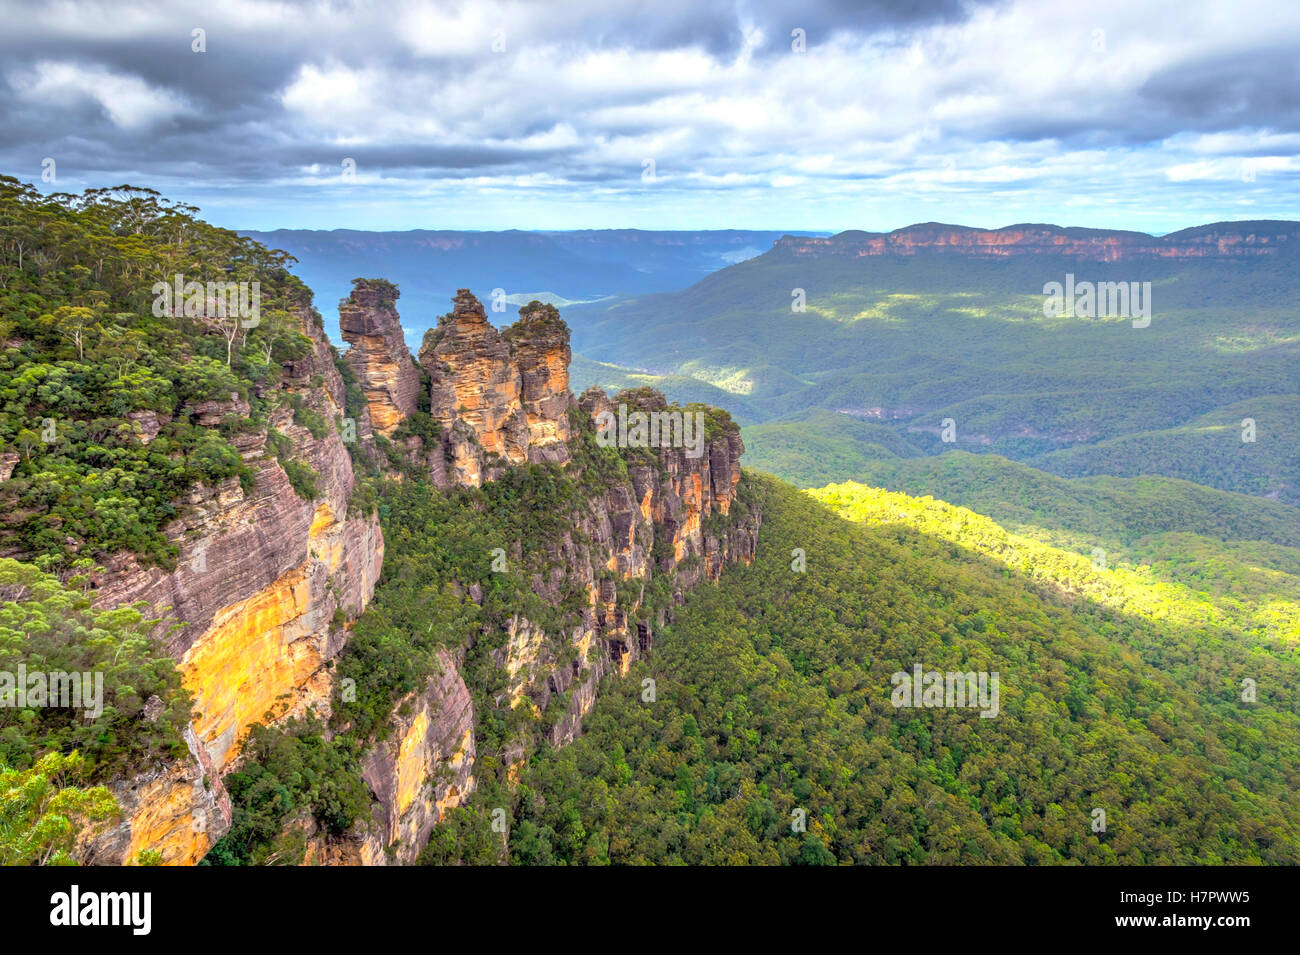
(668, 114)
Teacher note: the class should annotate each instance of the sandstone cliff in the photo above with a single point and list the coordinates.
(268, 582)
(378, 356)
(1220, 240)
(424, 769)
(632, 550)
(664, 522)
(258, 603)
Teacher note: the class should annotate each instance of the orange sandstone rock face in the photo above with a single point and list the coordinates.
(540, 344)
(501, 398)
(378, 355)
(254, 593)
(177, 810)
(425, 768)
(277, 642)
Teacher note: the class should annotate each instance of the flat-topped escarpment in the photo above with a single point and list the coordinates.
(1216, 240)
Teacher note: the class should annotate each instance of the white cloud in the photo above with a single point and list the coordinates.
(129, 102)
(1015, 102)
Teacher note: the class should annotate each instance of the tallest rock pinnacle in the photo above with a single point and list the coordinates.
(502, 398)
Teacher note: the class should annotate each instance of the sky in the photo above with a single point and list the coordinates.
(672, 114)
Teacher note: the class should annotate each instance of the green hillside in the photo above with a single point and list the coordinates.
(1271, 608)
(1112, 512)
(1232, 546)
(1209, 450)
(907, 341)
(683, 389)
(87, 362)
(815, 447)
(772, 699)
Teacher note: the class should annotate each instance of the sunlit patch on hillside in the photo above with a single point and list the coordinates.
(736, 381)
(897, 308)
(1134, 588)
(1251, 339)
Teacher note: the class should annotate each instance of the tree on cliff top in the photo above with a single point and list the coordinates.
(98, 391)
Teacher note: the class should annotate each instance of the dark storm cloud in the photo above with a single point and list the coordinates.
(823, 19)
(1227, 91)
(248, 71)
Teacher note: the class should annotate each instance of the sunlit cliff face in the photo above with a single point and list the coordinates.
(1088, 244)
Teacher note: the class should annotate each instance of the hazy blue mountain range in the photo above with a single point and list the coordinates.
(902, 331)
(559, 267)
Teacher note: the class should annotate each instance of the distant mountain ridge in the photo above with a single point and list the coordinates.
(1213, 240)
(837, 351)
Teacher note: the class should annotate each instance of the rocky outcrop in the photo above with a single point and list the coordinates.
(178, 810)
(1219, 240)
(539, 343)
(500, 398)
(378, 355)
(475, 392)
(425, 768)
(256, 607)
(665, 520)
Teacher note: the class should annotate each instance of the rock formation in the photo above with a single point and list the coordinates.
(539, 342)
(378, 355)
(253, 600)
(268, 583)
(501, 398)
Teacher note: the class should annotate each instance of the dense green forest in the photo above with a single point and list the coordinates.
(87, 361)
(1237, 552)
(52, 627)
(1252, 447)
(772, 696)
(814, 447)
(1262, 609)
